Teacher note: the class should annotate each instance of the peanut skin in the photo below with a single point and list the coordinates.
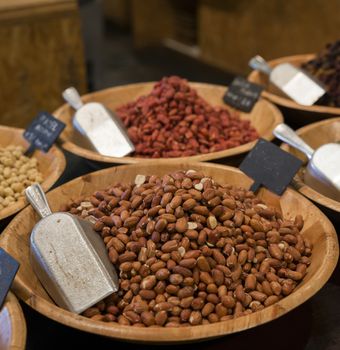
(191, 255)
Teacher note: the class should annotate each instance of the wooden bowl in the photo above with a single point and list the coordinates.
(274, 95)
(264, 117)
(315, 135)
(51, 165)
(15, 240)
(12, 325)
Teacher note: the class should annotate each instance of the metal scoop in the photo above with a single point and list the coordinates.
(104, 130)
(68, 257)
(323, 169)
(294, 82)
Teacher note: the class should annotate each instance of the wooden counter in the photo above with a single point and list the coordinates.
(228, 33)
(41, 53)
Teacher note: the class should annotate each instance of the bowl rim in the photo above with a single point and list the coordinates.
(299, 184)
(46, 184)
(171, 335)
(92, 155)
(17, 322)
(286, 102)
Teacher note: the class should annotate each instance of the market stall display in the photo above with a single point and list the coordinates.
(291, 204)
(275, 96)
(219, 133)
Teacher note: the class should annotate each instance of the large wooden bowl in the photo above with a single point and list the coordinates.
(315, 135)
(50, 164)
(264, 117)
(15, 240)
(12, 325)
(274, 95)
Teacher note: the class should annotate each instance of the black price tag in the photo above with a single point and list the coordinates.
(43, 131)
(270, 166)
(8, 270)
(242, 94)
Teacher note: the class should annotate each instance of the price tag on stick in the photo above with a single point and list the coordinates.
(268, 165)
(8, 270)
(242, 94)
(43, 132)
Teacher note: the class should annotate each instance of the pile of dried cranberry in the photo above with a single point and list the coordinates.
(173, 121)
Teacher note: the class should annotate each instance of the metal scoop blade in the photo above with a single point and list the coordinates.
(294, 82)
(68, 257)
(323, 169)
(103, 129)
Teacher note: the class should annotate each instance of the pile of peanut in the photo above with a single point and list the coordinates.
(173, 121)
(190, 251)
(16, 173)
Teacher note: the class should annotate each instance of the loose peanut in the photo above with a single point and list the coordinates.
(188, 256)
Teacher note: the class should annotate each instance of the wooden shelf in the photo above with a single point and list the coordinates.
(41, 54)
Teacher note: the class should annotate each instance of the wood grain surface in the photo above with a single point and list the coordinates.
(231, 32)
(12, 325)
(264, 117)
(316, 135)
(41, 55)
(50, 164)
(27, 9)
(317, 228)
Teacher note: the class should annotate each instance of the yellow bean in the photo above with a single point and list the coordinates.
(16, 172)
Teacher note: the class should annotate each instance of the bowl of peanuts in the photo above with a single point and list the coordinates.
(12, 324)
(18, 171)
(174, 119)
(198, 255)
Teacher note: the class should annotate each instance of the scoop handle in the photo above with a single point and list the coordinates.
(259, 63)
(288, 135)
(36, 196)
(72, 97)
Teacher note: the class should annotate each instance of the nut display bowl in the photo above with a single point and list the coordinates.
(12, 325)
(264, 117)
(317, 228)
(316, 134)
(50, 164)
(275, 96)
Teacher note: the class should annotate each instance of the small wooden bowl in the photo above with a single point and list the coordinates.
(275, 96)
(264, 117)
(50, 164)
(12, 325)
(319, 230)
(315, 135)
